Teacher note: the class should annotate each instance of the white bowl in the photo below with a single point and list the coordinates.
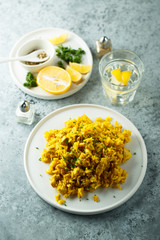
(36, 44)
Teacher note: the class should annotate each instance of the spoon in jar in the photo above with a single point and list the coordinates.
(37, 56)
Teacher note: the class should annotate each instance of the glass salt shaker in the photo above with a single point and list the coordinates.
(103, 46)
(25, 112)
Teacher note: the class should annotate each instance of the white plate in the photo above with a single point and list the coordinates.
(109, 198)
(74, 41)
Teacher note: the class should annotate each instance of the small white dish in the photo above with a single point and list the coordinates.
(110, 198)
(18, 72)
(33, 45)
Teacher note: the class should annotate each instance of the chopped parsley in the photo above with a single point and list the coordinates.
(30, 81)
(70, 55)
(60, 64)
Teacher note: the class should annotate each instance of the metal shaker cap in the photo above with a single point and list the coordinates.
(104, 42)
(24, 106)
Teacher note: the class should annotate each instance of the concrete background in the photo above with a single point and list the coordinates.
(133, 25)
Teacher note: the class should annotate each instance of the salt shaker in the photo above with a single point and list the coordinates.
(25, 112)
(103, 46)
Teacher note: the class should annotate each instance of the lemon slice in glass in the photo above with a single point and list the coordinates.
(126, 76)
(117, 74)
(122, 77)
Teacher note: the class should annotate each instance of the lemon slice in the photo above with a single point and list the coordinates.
(122, 77)
(84, 69)
(126, 76)
(75, 76)
(54, 80)
(60, 39)
(117, 74)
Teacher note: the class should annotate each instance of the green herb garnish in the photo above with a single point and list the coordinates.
(134, 153)
(37, 147)
(60, 64)
(30, 81)
(69, 55)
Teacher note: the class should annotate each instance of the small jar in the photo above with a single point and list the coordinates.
(103, 46)
(25, 112)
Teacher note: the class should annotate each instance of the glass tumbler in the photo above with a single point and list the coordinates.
(125, 60)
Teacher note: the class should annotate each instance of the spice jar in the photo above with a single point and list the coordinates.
(103, 46)
(25, 112)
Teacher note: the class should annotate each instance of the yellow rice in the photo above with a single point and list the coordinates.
(85, 155)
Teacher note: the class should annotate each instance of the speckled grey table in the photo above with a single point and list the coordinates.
(133, 25)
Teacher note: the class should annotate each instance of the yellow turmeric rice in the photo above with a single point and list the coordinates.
(85, 155)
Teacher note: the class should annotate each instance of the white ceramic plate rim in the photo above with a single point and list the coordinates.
(104, 209)
(35, 94)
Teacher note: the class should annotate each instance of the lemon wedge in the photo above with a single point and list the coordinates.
(54, 80)
(126, 76)
(122, 77)
(84, 69)
(75, 76)
(117, 74)
(60, 39)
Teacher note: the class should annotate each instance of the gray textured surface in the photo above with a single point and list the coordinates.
(133, 25)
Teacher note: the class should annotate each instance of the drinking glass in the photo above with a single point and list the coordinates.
(125, 60)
